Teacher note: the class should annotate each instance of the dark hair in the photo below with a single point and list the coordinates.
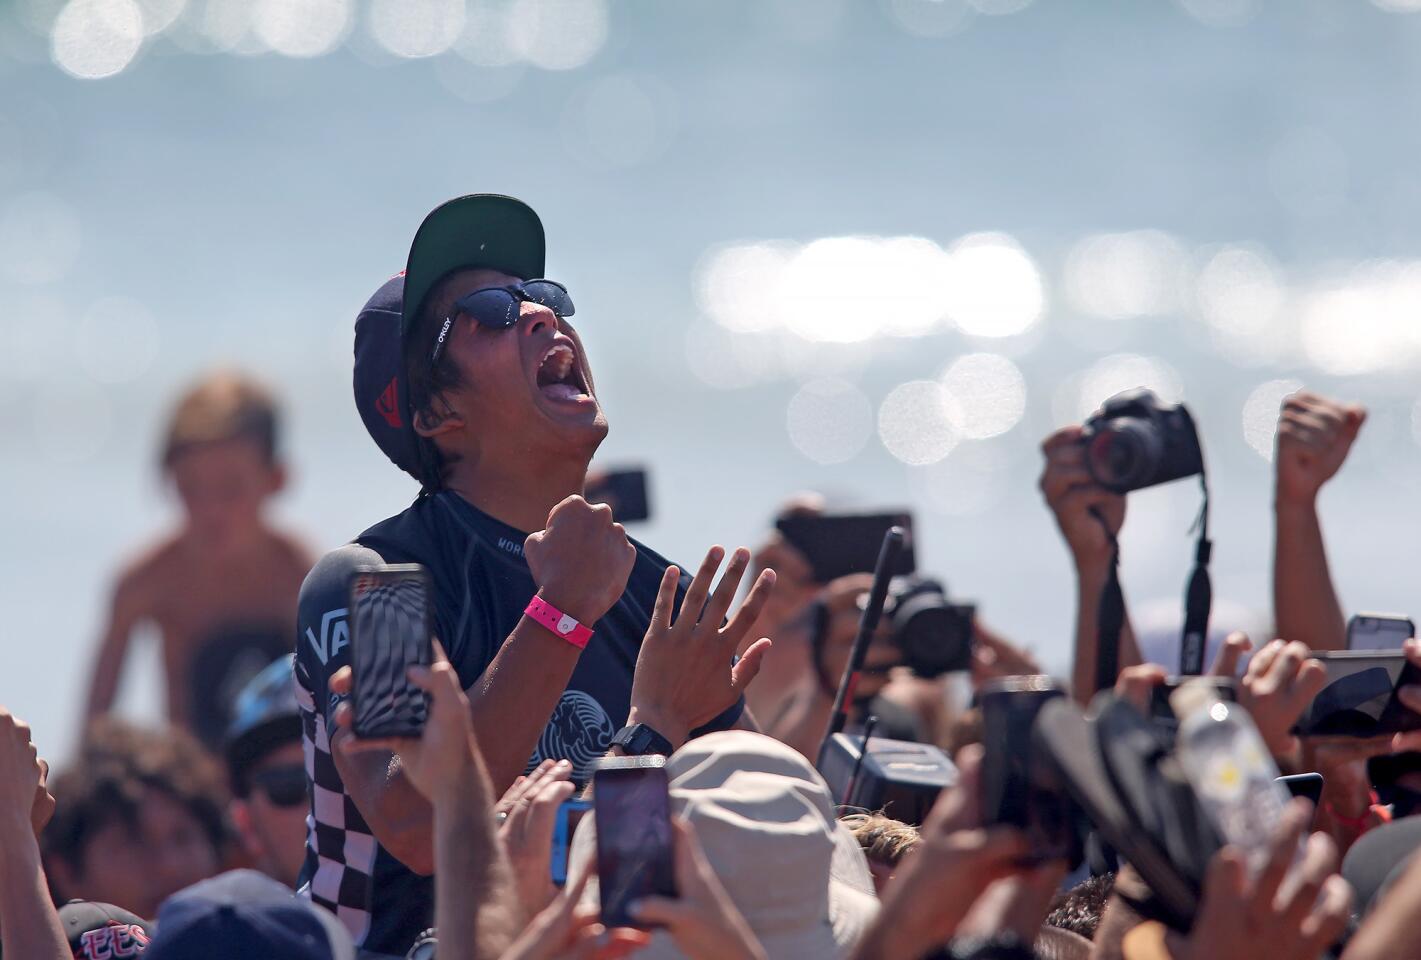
(1079, 908)
(426, 382)
(225, 405)
(117, 765)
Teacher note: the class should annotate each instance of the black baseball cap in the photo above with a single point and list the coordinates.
(480, 230)
(265, 716)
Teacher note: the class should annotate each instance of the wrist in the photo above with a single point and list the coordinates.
(569, 603)
(673, 730)
(1286, 502)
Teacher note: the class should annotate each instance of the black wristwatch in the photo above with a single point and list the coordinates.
(639, 740)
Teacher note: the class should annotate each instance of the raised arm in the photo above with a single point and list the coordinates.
(125, 611)
(29, 925)
(475, 907)
(1072, 496)
(1314, 437)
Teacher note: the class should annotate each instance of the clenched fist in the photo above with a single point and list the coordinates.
(1314, 436)
(581, 560)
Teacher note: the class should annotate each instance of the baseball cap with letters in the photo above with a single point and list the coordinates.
(480, 230)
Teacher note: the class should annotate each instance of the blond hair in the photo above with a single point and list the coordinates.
(224, 405)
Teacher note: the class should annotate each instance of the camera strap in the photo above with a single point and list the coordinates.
(1198, 601)
(1110, 615)
(1199, 597)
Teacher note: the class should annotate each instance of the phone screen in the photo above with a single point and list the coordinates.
(1359, 699)
(1378, 631)
(837, 546)
(569, 815)
(634, 854)
(389, 632)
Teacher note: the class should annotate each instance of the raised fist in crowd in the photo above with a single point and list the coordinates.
(581, 560)
(1314, 437)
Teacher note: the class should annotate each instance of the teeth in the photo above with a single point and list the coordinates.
(557, 363)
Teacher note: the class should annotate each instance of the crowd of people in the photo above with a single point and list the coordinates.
(259, 824)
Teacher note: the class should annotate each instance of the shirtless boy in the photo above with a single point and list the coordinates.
(221, 590)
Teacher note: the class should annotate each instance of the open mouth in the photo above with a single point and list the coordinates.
(560, 375)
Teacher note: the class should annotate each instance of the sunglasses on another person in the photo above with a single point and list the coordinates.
(498, 308)
(284, 786)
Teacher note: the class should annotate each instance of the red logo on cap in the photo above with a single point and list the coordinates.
(388, 404)
(113, 940)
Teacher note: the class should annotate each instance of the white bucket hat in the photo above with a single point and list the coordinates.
(766, 820)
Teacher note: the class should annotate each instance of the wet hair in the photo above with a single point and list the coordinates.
(426, 382)
(1079, 909)
(225, 405)
(114, 770)
(883, 839)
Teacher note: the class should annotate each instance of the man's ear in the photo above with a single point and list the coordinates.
(437, 419)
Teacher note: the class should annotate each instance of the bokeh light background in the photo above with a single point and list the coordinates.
(877, 248)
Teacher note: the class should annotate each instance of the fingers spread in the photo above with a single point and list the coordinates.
(725, 591)
(749, 611)
(744, 670)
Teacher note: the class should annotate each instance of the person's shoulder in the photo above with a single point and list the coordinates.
(405, 532)
(330, 576)
(146, 575)
(650, 565)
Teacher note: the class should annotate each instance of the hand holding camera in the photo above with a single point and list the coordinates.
(581, 560)
(1315, 435)
(1076, 498)
(1298, 912)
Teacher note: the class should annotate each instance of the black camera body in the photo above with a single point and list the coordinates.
(933, 633)
(1137, 441)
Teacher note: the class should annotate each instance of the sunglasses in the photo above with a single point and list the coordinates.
(284, 786)
(498, 308)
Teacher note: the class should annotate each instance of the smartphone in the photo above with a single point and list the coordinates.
(625, 491)
(568, 817)
(1162, 714)
(1020, 786)
(1360, 699)
(838, 545)
(389, 633)
(1304, 785)
(1378, 631)
(634, 851)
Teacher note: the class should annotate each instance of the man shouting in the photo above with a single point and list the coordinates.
(470, 377)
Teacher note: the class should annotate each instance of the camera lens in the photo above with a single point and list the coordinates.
(935, 637)
(1124, 454)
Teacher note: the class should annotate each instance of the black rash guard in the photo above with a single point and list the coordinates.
(481, 586)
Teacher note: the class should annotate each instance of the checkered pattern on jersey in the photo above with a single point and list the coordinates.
(338, 841)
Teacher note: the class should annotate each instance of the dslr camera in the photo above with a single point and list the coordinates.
(1137, 441)
(933, 633)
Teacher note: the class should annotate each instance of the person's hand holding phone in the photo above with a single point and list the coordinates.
(1280, 682)
(684, 674)
(581, 560)
(529, 810)
(1296, 911)
(1314, 436)
(1072, 494)
(441, 761)
(702, 919)
(564, 930)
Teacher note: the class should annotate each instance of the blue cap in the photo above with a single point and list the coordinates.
(243, 914)
(264, 716)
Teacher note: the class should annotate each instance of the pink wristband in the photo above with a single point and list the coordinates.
(545, 614)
